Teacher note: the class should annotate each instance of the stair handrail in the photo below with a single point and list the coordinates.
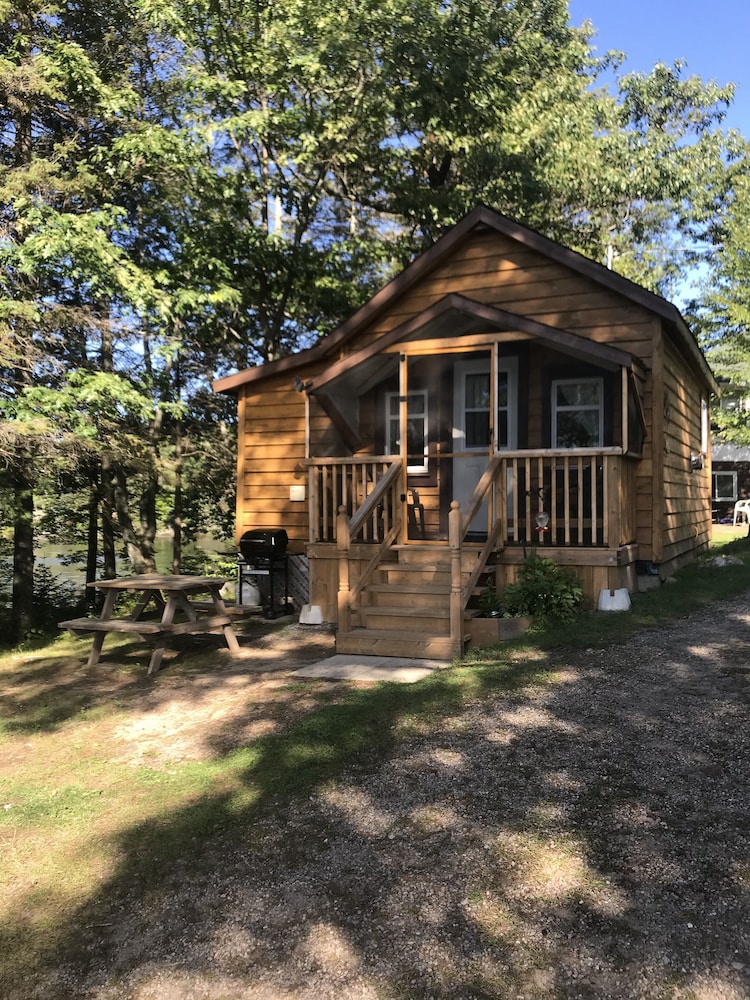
(486, 481)
(487, 549)
(372, 501)
(369, 570)
(347, 528)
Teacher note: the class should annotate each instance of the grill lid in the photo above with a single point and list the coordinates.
(263, 543)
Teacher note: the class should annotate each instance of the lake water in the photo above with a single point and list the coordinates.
(54, 557)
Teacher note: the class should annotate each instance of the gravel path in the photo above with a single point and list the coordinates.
(584, 838)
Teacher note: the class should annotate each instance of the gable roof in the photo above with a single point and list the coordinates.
(481, 218)
(462, 316)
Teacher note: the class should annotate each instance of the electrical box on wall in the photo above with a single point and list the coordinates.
(297, 492)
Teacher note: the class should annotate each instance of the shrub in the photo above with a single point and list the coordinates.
(543, 589)
(54, 599)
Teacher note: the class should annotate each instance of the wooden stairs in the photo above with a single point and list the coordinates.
(405, 610)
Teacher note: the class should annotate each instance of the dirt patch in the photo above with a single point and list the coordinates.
(243, 697)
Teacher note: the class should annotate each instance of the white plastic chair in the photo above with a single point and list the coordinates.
(742, 512)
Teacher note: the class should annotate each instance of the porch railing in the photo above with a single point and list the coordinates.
(585, 494)
(348, 482)
(546, 498)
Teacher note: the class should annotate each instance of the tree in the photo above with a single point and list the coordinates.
(722, 313)
(63, 272)
(189, 188)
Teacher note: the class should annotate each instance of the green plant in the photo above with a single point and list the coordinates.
(201, 562)
(54, 598)
(543, 589)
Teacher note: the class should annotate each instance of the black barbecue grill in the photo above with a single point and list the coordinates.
(263, 553)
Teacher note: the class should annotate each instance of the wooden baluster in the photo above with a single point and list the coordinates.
(539, 535)
(580, 499)
(335, 489)
(527, 497)
(594, 501)
(313, 504)
(372, 478)
(343, 542)
(502, 501)
(566, 490)
(610, 499)
(456, 599)
(324, 496)
(553, 500)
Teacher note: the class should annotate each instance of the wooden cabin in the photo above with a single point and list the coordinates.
(501, 394)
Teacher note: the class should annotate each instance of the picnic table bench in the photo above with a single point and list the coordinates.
(170, 595)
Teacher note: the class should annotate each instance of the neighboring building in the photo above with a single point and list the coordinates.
(561, 406)
(730, 478)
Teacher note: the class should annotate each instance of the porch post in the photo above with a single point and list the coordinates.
(403, 424)
(343, 541)
(456, 600)
(616, 499)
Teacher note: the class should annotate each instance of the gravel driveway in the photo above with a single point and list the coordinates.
(586, 837)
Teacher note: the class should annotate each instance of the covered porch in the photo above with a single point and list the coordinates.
(371, 560)
(463, 439)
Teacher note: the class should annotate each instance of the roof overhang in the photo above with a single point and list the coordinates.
(458, 316)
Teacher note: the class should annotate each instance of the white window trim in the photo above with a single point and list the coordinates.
(724, 499)
(558, 409)
(510, 367)
(413, 470)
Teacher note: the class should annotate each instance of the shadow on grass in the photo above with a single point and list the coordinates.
(45, 691)
(584, 840)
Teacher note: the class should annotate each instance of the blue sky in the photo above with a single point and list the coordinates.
(713, 38)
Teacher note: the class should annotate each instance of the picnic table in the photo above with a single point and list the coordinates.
(170, 595)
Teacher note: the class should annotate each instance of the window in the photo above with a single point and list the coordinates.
(725, 486)
(507, 380)
(477, 410)
(577, 413)
(416, 429)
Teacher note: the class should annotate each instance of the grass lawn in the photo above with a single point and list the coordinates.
(108, 777)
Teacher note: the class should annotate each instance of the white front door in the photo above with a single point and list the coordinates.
(474, 431)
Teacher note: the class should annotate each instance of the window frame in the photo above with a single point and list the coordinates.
(714, 476)
(555, 409)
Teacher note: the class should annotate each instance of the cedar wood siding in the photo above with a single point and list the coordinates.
(491, 267)
(686, 523)
(271, 449)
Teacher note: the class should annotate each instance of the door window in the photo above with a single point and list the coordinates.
(477, 410)
(416, 429)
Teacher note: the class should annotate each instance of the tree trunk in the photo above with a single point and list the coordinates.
(23, 550)
(177, 518)
(140, 551)
(109, 567)
(92, 538)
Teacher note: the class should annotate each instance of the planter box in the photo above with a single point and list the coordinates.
(488, 631)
